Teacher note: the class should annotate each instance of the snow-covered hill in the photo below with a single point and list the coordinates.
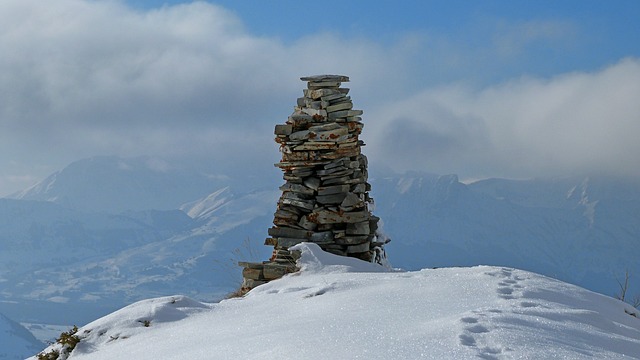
(344, 308)
(16, 342)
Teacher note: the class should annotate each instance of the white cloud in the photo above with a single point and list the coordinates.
(574, 123)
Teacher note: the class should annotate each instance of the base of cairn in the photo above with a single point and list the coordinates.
(254, 274)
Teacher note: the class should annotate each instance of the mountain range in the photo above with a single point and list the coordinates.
(107, 231)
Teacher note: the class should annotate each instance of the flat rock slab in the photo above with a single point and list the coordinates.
(332, 217)
(318, 78)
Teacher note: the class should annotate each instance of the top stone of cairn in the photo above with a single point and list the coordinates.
(322, 78)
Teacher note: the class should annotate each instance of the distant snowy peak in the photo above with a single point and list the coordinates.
(213, 202)
(427, 188)
(223, 210)
(114, 184)
(560, 192)
(16, 342)
(44, 187)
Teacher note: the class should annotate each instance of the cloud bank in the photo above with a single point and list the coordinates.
(81, 78)
(576, 123)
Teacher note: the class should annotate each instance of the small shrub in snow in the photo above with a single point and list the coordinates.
(51, 355)
(67, 341)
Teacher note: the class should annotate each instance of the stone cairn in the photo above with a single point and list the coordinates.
(325, 197)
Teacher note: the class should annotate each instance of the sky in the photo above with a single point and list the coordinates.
(512, 89)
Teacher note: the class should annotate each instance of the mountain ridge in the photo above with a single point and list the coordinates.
(576, 231)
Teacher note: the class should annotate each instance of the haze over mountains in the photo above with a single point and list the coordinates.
(107, 231)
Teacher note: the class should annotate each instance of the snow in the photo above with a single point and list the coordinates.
(343, 308)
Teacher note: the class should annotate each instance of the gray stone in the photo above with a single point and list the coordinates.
(344, 98)
(325, 77)
(250, 283)
(333, 170)
(325, 237)
(323, 84)
(314, 104)
(286, 232)
(344, 114)
(283, 129)
(292, 178)
(335, 189)
(330, 199)
(302, 172)
(336, 163)
(286, 215)
(315, 112)
(329, 135)
(337, 174)
(300, 117)
(253, 274)
(359, 188)
(295, 196)
(297, 188)
(312, 183)
(301, 156)
(353, 240)
(312, 145)
(339, 153)
(322, 93)
(276, 271)
(325, 127)
(288, 165)
(334, 181)
(363, 160)
(340, 106)
(308, 205)
(289, 242)
(300, 135)
(358, 248)
(333, 97)
(352, 200)
(331, 217)
(361, 228)
(306, 224)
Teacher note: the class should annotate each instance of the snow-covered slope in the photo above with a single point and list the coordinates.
(343, 308)
(115, 184)
(16, 342)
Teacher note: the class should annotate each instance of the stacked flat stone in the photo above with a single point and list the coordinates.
(325, 198)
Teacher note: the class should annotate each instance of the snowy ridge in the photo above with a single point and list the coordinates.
(114, 184)
(340, 305)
